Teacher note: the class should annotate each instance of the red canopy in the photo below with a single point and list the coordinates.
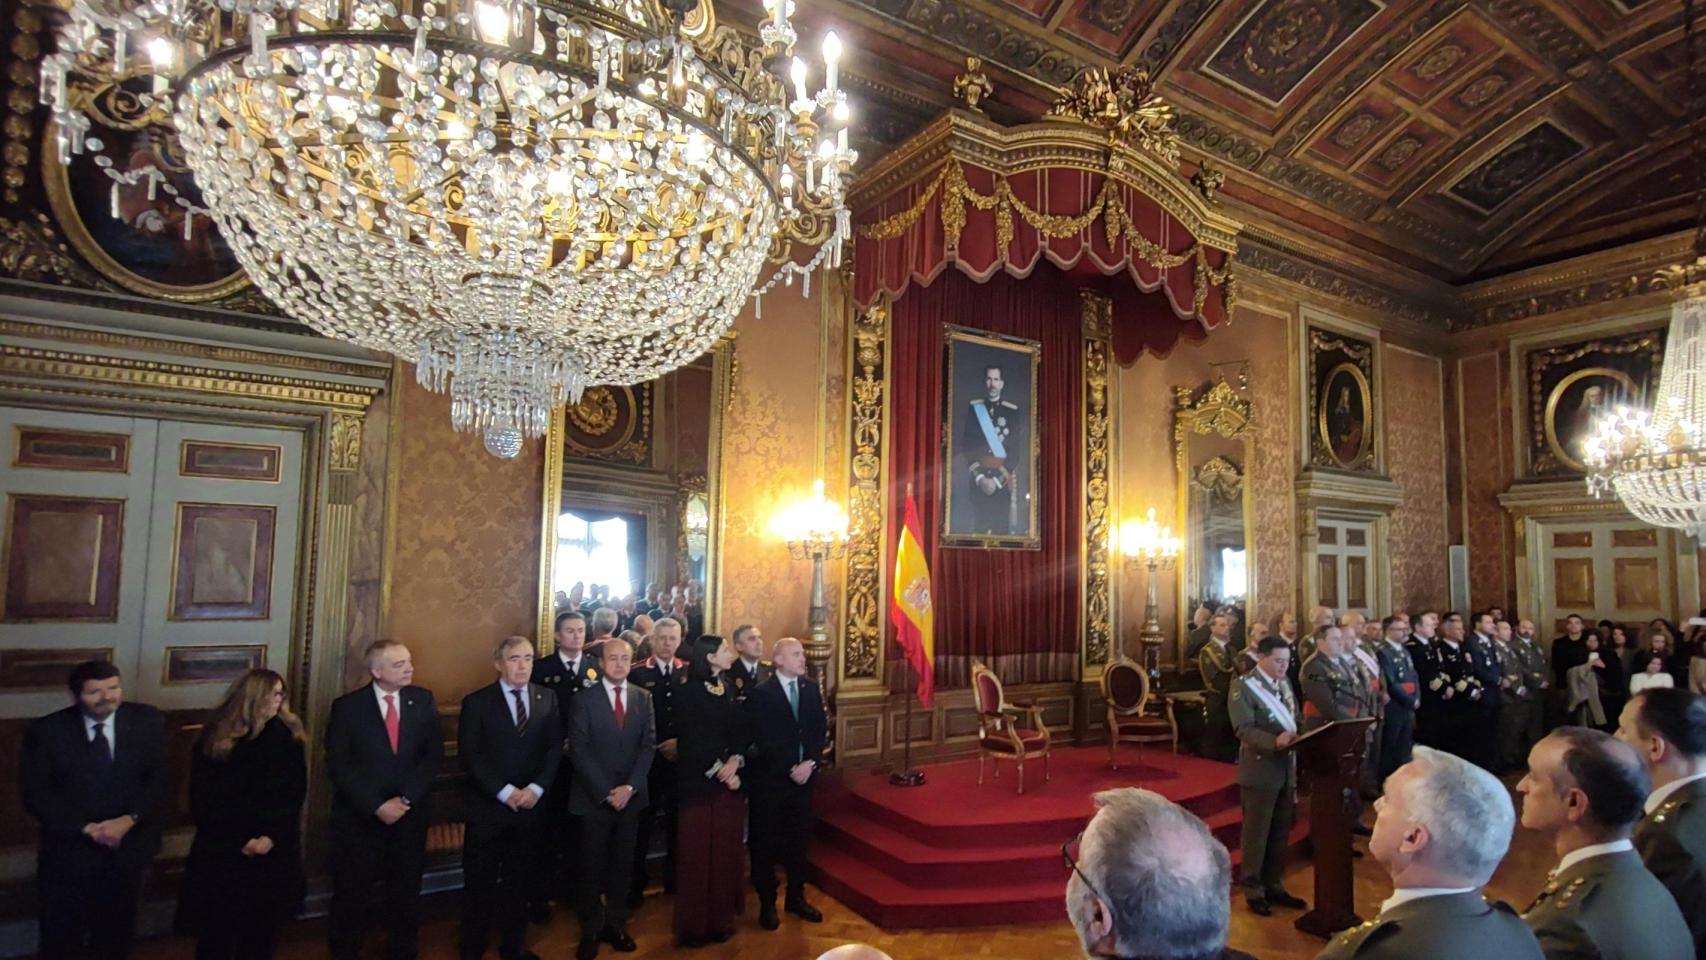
(982, 198)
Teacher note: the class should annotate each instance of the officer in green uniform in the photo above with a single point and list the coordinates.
(1668, 729)
(1215, 664)
(1436, 909)
(1585, 790)
(750, 669)
(1264, 717)
(1333, 689)
(1527, 679)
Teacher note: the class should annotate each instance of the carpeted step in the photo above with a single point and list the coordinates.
(900, 855)
(896, 905)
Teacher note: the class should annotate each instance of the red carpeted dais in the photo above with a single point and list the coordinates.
(954, 853)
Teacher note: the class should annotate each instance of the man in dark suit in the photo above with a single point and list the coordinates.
(660, 675)
(510, 738)
(1584, 790)
(750, 668)
(612, 737)
(383, 751)
(1668, 729)
(94, 776)
(789, 732)
(566, 671)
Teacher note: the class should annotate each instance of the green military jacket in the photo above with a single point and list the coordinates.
(1261, 763)
(1214, 662)
(1608, 907)
(1536, 676)
(1458, 926)
(1332, 690)
(1672, 843)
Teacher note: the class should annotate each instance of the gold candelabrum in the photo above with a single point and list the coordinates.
(815, 529)
(1153, 546)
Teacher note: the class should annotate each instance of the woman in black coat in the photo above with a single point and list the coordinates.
(248, 778)
(711, 742)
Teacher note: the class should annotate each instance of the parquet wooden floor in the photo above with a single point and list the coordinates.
(1522, 873)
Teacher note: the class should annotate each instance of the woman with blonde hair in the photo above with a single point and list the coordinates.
(248, 778)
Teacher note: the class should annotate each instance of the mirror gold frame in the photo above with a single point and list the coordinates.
(723, 364)
(1219, 411)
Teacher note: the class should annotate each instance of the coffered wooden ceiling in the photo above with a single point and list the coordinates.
(1459, 139)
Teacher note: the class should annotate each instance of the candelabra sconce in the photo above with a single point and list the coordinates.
(1153, 546)
(816, 529)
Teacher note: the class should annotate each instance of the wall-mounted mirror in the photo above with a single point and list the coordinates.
(632, 497)
(1214, 445)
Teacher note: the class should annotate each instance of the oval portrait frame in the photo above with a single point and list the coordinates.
(1550, 417)
(1367, 441)
(56, 181)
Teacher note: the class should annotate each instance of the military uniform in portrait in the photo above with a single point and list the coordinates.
(994, 444)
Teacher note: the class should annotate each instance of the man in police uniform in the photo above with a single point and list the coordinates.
(1585, 790)
(1438, 868)
(993, 447)
(1487, 666)
(1668, 729)
(660, 675)
(1264, 717)
(1398, 677)
(1214, 662)
(565, 672)
(1458, 691)
(750, 668)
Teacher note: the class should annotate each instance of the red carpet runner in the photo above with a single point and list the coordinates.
(955, 854)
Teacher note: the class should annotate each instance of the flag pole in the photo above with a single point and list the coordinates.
(908, 775)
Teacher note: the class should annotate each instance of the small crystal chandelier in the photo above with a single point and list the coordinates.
(1656, 462)
(524, 197)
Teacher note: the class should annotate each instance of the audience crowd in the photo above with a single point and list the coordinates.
(637, 728)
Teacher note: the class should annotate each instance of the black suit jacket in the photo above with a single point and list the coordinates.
(497, 756)
(550, 673)
(779, 741)
(606, 756)
(61, 791)
(364, 771)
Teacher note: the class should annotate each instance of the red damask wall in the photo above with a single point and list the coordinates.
(1482, 409)
(465, 555)
(1413, 400)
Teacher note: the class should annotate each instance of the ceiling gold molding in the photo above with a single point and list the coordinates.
(34, 362)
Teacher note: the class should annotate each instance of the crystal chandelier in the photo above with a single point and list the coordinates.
(1655, 462)
(524, 197)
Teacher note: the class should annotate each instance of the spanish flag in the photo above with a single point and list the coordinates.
(911, 610)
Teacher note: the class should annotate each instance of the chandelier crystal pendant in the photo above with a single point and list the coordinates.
(524, 197)
(1655, 461)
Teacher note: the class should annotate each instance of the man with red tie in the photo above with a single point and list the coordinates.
(383, 751)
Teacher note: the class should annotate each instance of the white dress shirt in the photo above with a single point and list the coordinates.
(1591, 850)
(106, 731)
(379, 696)
(1661, 794)
(610, 694)
(571, 664)
(1406, 894)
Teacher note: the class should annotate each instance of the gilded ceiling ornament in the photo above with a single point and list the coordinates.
(1483, 90)
(595, 414)
(1398, 153)
(1124, 104)
(1353, 131)
(1208, 180)
(973, 85)
(1438, 61)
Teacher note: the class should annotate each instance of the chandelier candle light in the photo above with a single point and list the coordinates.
(1155, 547)
(524, 197)
(1655, 462)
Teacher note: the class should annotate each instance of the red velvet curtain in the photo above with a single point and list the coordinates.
(1016, 611)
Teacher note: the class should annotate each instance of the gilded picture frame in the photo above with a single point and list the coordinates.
(1343, 418)
(1570, 385)
(989, 460)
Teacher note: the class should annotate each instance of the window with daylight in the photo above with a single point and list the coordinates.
(1233, 575)
(592, 551)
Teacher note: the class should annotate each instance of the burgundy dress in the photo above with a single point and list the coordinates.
(709, 854)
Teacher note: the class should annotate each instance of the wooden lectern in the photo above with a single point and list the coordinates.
(1332, 756)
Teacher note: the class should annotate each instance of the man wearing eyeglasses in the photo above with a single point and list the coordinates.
(1264, 716)
(1147, 880)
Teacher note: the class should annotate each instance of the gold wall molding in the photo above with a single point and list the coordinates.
(867, 417)
(204, 351)
(1094, 559)
(25, 361)
(345, 447)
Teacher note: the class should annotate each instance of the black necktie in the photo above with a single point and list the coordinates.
(520, 711)
(100, 751)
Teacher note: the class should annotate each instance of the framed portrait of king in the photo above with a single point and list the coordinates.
(989, 441)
